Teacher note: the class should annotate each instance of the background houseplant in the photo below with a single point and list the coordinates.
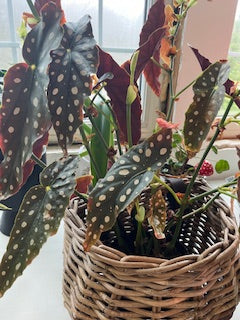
(52, 195)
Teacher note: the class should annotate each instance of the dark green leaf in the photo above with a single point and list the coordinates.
(124, 182)
(70, 78)
(177, 138)
(38, 218)
(209, 93)
(221, 166)
(24, 116)
(98, 150)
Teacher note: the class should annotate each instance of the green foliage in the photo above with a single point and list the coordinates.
(125, 180)
(102, 138)
(221, 166)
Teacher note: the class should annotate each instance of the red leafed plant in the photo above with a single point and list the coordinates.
(66, 78)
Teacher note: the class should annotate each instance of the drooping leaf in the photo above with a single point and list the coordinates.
(38, 218)
(209, 93)
(221, 166)
(70, 78)
(157, 214)
(24, 116)
(125, 180)
(99, 153)
(83, 183)
(149, 45)
(204, 63)
(117, 91)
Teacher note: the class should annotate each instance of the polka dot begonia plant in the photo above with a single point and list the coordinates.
(65, 78)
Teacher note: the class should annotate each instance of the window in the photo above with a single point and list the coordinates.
(116, 28)
(209, 28)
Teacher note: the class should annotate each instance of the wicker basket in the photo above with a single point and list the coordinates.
(107, 284)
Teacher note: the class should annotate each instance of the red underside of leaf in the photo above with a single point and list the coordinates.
(149, 46)
(155, 20)
(204, 63)
(117, 91)
(39, 4)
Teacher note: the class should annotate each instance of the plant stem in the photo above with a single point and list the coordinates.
(38, 161)
(86, 144)
(228, 194)
(202, 195)
(184, 89)
(201, 209)
(139, 238)
(129, 127)
(171, 95)
(33, 9)
(191, 183)
(157, 179)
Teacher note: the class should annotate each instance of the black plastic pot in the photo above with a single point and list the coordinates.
(8, 216)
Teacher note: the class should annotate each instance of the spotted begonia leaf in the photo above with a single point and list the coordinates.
(204, 63)
(150, 44)
(70, 78)
(209, 93)
(24, 116)
(157, 214)
(38, 218)
(117, 90)
(125, 180)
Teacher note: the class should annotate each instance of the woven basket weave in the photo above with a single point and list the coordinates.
(107, 284)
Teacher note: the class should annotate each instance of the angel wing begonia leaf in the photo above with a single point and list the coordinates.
(209, 93)
(117, 90)
(124, 181)
(38, 218)
(70, 78)
(24, 116)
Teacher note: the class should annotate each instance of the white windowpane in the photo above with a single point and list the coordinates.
(74, 10)
(4, 29)
(120, 57)
(18, 8)
(7, 59)
(122, 23)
